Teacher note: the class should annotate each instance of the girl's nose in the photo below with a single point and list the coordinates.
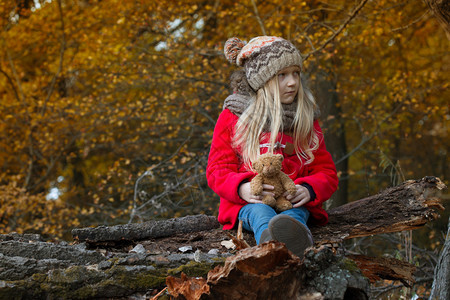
(291, 80)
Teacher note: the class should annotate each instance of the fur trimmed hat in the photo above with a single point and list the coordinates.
(262, 58)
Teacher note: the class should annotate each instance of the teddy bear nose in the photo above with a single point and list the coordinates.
(268, 168)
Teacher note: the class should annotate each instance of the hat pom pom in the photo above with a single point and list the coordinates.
(232, 48)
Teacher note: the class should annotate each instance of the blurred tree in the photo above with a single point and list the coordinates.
(96, 94)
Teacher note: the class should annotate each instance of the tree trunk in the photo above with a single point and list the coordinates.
(441, 283)
(333, 127)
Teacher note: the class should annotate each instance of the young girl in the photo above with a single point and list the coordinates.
(270, 110)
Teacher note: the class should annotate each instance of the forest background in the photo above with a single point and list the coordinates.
(107, 107)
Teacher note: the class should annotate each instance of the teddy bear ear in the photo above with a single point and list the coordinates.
(280, 157)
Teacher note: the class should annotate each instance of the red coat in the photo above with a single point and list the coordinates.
(225, 171)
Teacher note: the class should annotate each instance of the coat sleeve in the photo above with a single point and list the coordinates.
(222, 172)
(322, 176)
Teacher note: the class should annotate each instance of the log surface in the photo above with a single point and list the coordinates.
(404, 207)
(145, 231)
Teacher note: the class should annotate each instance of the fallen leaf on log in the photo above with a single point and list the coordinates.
(190, 288)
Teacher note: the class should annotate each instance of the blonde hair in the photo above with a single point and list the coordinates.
(266, 107)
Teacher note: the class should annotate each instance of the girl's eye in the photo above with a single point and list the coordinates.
(281, 74)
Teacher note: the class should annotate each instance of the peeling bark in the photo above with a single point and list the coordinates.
(270, 271)
(378, 268)
(404, 207)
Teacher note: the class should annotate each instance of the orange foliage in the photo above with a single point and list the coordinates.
(95, 93)
(22, 212)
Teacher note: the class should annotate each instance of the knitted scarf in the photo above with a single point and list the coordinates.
(238, 103)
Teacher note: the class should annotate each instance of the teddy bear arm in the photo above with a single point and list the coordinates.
(288, 184)
(256, 185)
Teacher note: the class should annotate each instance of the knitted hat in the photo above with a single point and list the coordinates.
(262, 58)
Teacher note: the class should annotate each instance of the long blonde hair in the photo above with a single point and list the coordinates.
(266, 107)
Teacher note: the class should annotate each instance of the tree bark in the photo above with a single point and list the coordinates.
(441, 283)
(270, 271)
(143, 231)
(333, 127)
(404, 207)
(378, 268)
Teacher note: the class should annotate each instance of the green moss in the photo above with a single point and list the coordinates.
(193, 269)
(350, 265)
(85, 292)
(21, 289)
(79, 282)
(38, 277)
(146, 281)
(137, 280)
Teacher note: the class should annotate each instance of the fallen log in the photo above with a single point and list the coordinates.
(405, 207)
(144, 231)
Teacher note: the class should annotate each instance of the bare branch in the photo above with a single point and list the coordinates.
(11, 83)
(441, 10)
(352, 15)
(412, 23)
(14, 71)
(261, 24)
(367, 138)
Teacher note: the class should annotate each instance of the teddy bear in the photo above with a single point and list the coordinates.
(268, 167)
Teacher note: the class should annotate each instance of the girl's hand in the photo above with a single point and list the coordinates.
(300, 198)
(246, 194)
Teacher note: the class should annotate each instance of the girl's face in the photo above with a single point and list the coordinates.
(289, 82)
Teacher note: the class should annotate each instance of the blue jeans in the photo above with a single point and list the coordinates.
(255, 217)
